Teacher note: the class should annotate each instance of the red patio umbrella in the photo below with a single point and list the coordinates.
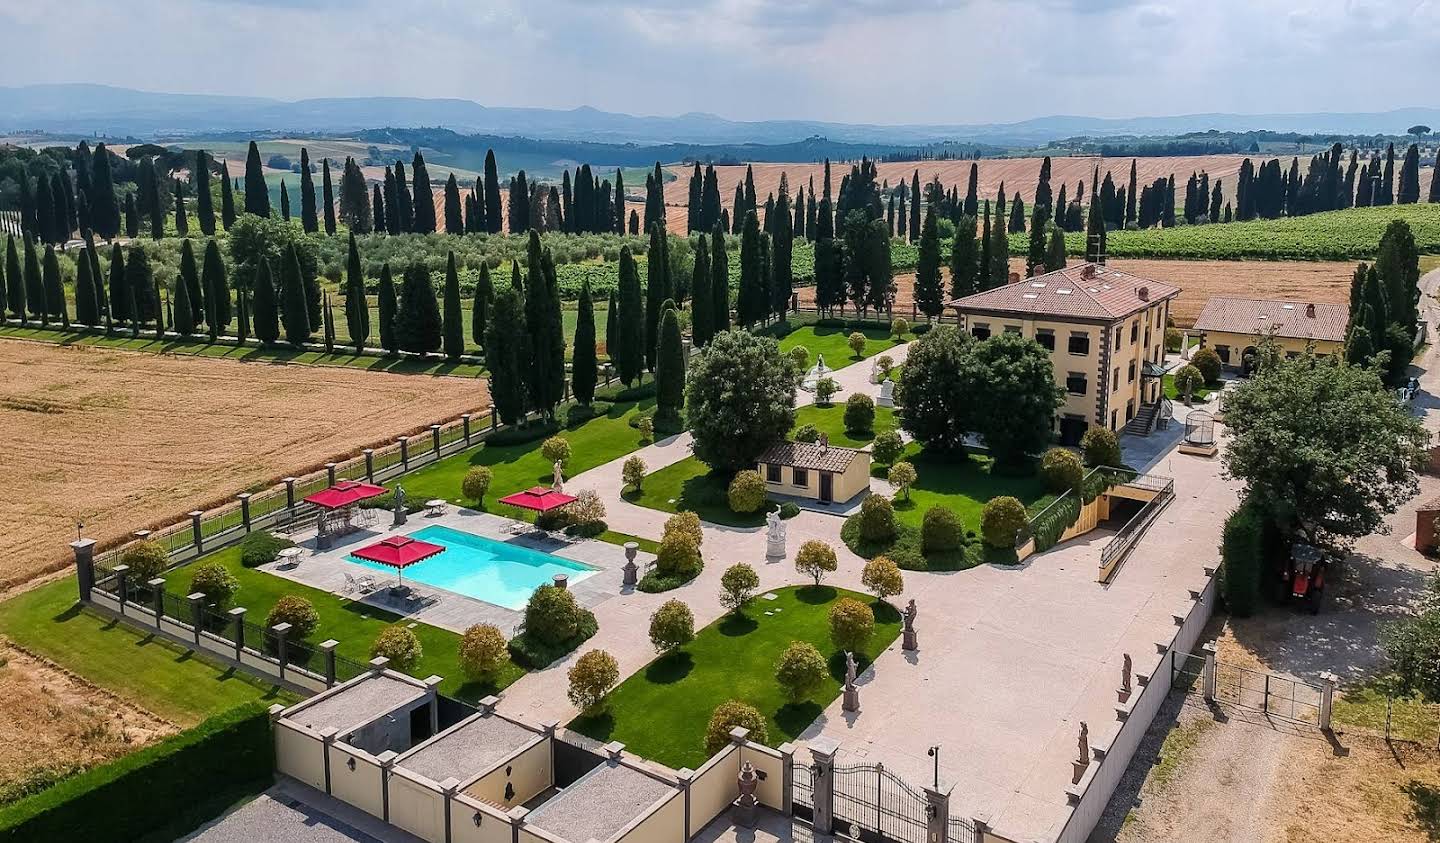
(345, 493)
(398, 552)
(539, 499)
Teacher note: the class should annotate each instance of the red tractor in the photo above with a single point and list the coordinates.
(1303, 578)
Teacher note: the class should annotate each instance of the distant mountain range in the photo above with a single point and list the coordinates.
(88, 109)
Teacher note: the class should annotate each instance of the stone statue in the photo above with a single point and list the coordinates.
(874, 369)
(850, 669)
(910, 641)
(1125, 676)
(851, 701)
(775, 536)
(400, 514)
(1084, 744)
(557, 477)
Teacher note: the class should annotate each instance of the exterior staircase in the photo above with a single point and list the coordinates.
(1144, 420)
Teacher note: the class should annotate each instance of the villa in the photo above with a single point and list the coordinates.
(1232, 326)
(1105, 331)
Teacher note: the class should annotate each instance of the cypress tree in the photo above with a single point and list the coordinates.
(267, 319)
(5, 292)
(480, 305)
(1095, 230)
(217, 290)
(357, 307)
(1043, 200)
(964, 259)
(617, 225)
(242, 317)
(309, 219)
(387, 311)
(982, 273)
(1409, 189)
(402, 204)
(1055, 254)
(702, 299)
(999, 270)
(418, 325)
(1434, 196)
(132, 216)
(87, 309)
(929, 291)
(204, 201)
(121, 302)
(424, 198)
(505, 357)
(284, 202)
(710, 199)
(392, 203)
(189, 278)
(327, 195)
(543, 323)
(1397, 262)
(64, 205)
(1035, 255)
(1216, 198)
(184, 320)
(493, 211)
(583, 367)
(1017, 215)
(329, 327)
(454, 329)
(1357, 291)
(751, 304)
(1130, 195)
(294, 304)
(454, 219)
(692, 204)
(159, 311)
(182, 222)
(627, 350)
(377, 206)
(669, 369)
(612, 333)
(35, 284)
(257, 193)
(227, 198)
(658, 288)
(156, 212)
(782, 240)
(972, 195)
(54, 289)
(15, 281)
(104, 211)
(719, 280)
(96, 277)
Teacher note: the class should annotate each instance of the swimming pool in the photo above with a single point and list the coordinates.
(497, 572)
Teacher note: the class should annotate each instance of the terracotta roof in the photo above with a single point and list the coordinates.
(1294, 319)
(809, 455)
(1086, 291)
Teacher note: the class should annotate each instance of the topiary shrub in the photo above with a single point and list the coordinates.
(1173, 338)
(1208, 362)
(885, 363)
(591, 677)
(672, 625)
(482, 650)
(646, 426)
(586, 512)
(877, 519)
(815, 559)
(746, 493)
(825, 389)
(400, 645)
(901, 477)
(216, 582)
(940, 530)
(727, 716)
(887, 447)
(1188, 380)
(297, 612)
(552, 615)
(556, 449)
(1100, 447)
(1001, 520)
(800, 359)
(851, 624)
(859, 413)
(476, 483)
(856, 341)
(737, 585)
(801, 670)
(678, 556)
(262, 548)
(882, 578)
(1061, 470)
(685, 524)
(899, 327)
(789, 509)
(806, 433)
(147, 560)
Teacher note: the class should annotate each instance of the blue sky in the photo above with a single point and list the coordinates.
(882, 61)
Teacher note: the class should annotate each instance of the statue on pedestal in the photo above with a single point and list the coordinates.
(910, 641)
(1125, 687)
(1078, 766)
(557, 477)
(400, 515)
(852, 694)
(775, 536)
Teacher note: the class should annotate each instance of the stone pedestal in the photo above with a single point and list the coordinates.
(887, 393)
(775, 546)
(400, 517)
(748, 782)
(632, 574)
(910, 641)
(561, 581)
(852, 699)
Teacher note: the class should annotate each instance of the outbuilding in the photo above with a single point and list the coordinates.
(815, 470)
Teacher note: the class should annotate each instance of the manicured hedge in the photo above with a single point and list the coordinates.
(1242, 549)
(171, 786)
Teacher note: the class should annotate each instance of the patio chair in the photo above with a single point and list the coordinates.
(365, 583)
(350, 584)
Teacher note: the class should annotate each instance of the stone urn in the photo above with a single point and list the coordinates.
(745, 805)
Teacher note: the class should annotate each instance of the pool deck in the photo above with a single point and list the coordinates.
(326, 569)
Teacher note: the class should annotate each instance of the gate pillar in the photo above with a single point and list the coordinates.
(937, 815)
(1327, 698)
(822, 754)
(1208, 677)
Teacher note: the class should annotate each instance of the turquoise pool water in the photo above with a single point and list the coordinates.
(494, 571)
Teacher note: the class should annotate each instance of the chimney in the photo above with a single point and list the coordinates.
(1310, 311)
(1014, 278)
(1087, 271)
(1144, 293)
(824, 442)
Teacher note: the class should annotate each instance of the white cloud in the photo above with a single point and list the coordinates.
(923, 61)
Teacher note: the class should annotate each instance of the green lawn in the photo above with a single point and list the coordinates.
(688, 486)
(833, 342)
(200, 348)
(1174, 394)
(962, 486)
(354, 625)
(518, 467)
(661, 712)
(831, 420)
(156, 675)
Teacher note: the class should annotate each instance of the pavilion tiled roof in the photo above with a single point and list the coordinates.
(809, 455)
(1292, 319)
(1083, 291)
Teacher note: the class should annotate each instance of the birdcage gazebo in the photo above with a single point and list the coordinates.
(1199, 436)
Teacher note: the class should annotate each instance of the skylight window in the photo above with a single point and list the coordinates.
(1288, 306)
(1039, 285)
(1064, 291)
(1032, 295)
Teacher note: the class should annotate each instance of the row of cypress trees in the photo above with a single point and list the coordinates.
(1384, 303)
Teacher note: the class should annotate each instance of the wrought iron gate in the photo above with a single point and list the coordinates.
(802, 792)
(1277, 696)
(874, 805)
(960, 830)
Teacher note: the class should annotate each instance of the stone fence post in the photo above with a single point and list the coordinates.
(84, 566)
(289, 492)
(787, 777)
(404, 452)
(1327, 698)
(157, 598)
(197, 613)
(330, 473)
(369, 464)
(1208, 678)
(822, 756)
(465, 423)
(238, 613)
(244, 510)
(282, 635)
(328, 648)
(937, 815)
(435, 439)
(196, 533)
(122, 577)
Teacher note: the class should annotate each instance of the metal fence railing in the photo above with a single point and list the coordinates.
(1124, 541)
